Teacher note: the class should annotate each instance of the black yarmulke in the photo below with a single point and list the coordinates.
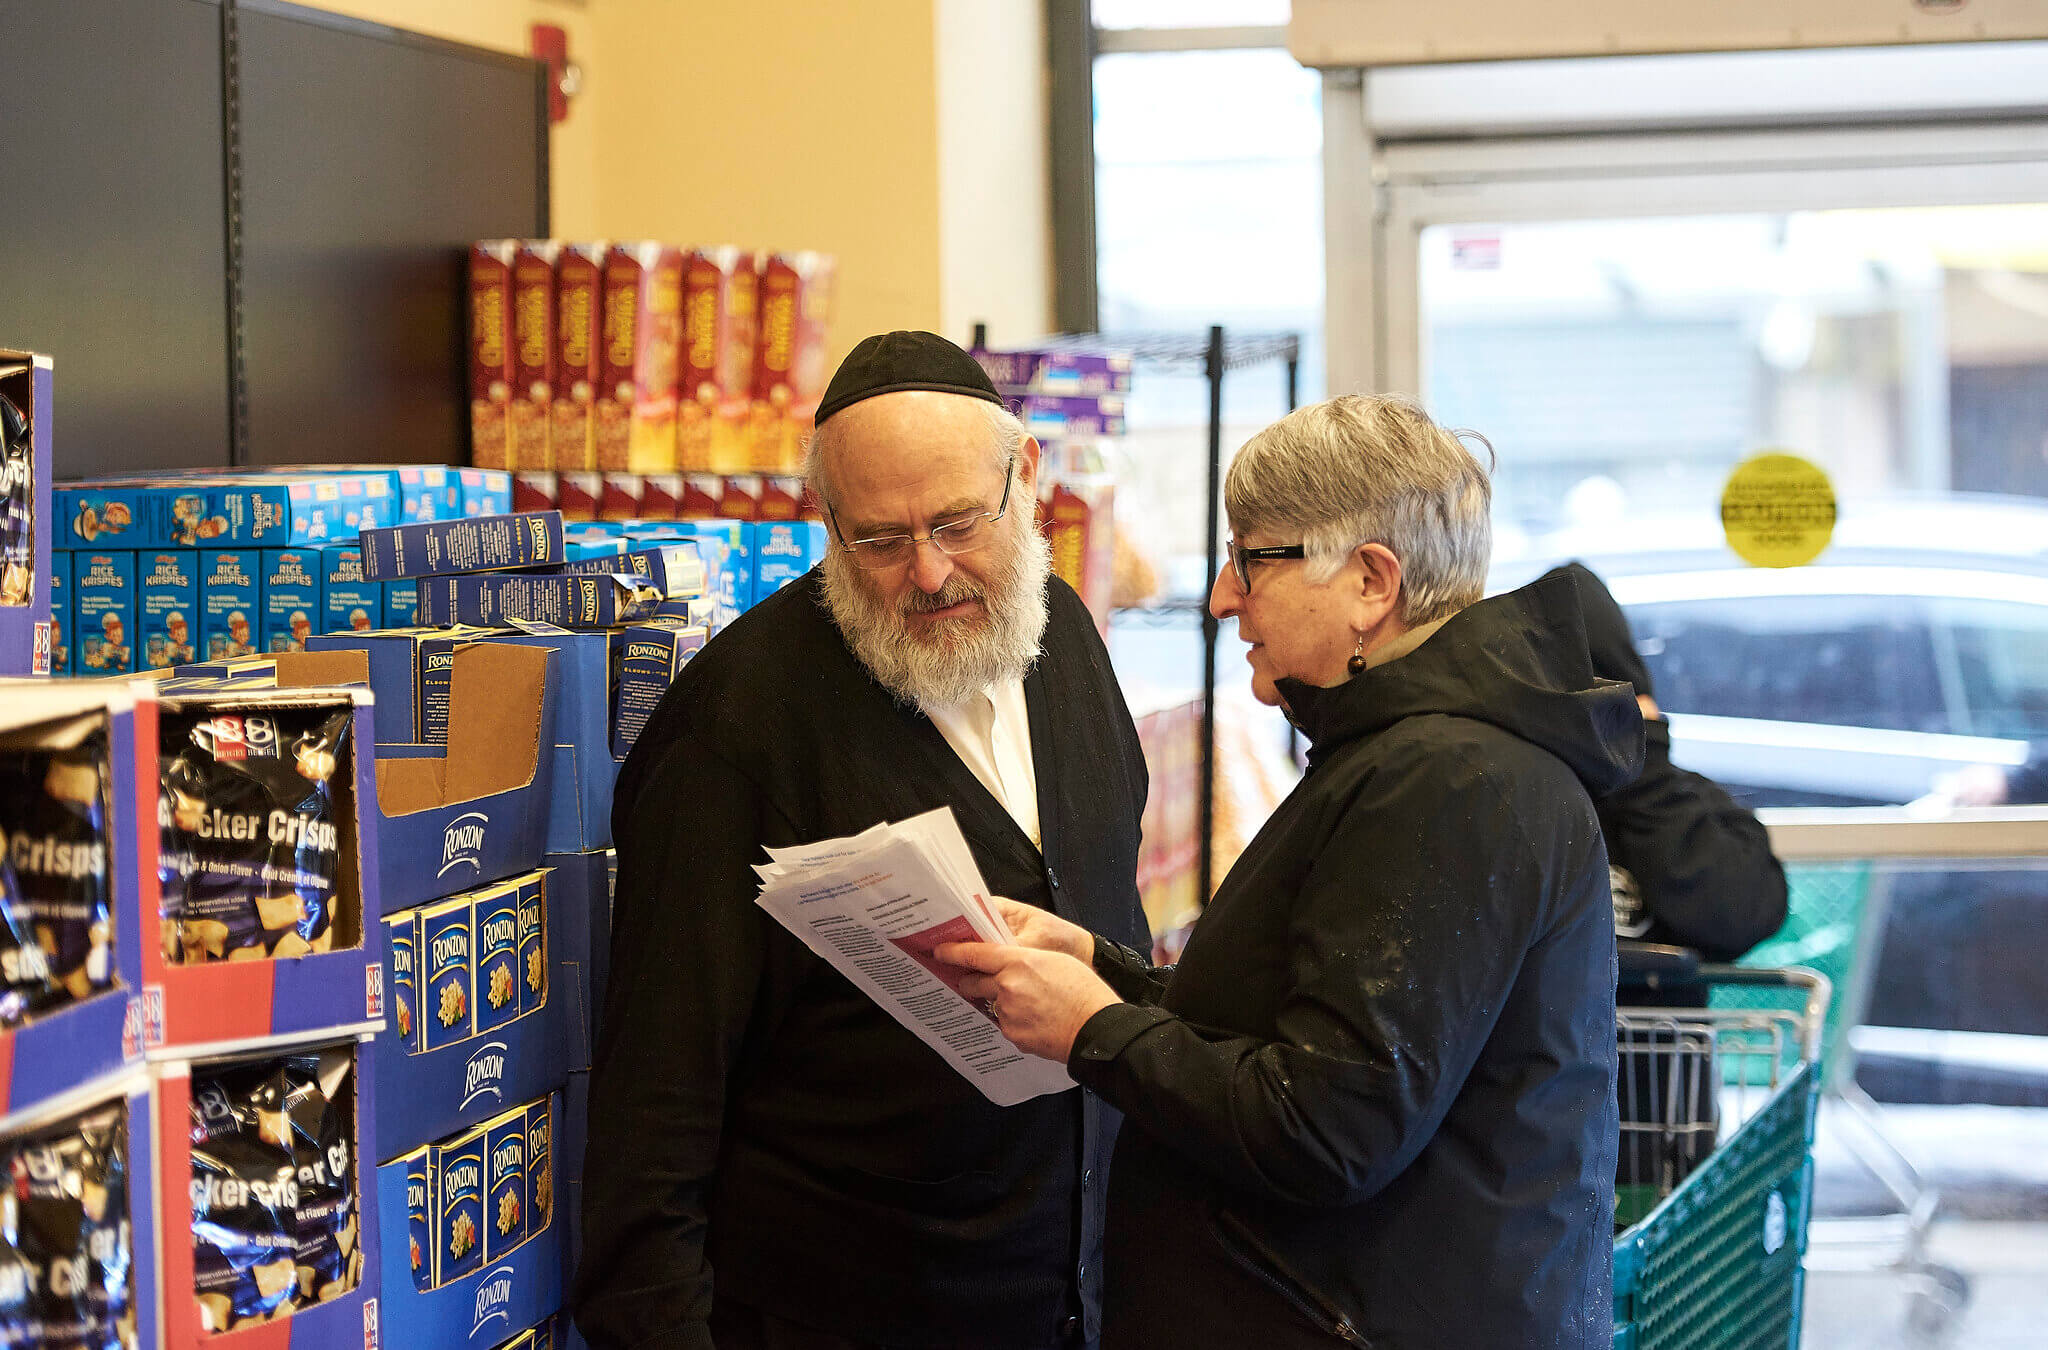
(890, 363)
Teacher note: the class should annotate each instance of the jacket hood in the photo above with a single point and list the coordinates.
(1518, 661)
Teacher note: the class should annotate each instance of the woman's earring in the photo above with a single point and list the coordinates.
(1356, 665)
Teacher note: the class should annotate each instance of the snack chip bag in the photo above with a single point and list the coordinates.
(56, 924)
(250, 838)
(64, 1229)
(274, 1226)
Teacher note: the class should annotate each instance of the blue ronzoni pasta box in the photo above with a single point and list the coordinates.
(481, 544)
(494, 601)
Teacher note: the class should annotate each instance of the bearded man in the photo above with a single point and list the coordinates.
(754, 1117)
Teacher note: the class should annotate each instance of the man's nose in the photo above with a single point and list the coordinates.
(930, 567)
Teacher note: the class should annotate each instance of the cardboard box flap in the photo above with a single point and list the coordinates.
(495, 694)
(405, 786)
(298, 670)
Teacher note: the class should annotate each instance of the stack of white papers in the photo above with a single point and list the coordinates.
(875, 905)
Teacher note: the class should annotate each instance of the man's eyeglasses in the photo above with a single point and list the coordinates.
(956, 536)
(1242, 558)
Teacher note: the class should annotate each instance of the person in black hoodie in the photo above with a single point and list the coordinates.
(1692, 866)
(1374, 1103)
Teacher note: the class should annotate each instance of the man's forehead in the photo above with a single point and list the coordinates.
(916, 443)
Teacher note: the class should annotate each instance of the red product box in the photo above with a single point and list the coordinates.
(661, 496)
(741, 499)
(795, 308)
(1076, 517)
(577, 495)
(620, 499)
(642, 326)
(490, 352)
(703, 493)
(347, 1320)
(720, 289)
(534, 491)
(579, 364)
(788, 497)
(533, 353)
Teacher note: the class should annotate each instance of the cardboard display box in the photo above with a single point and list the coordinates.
(350, 1321)
(580, 895)
(492, 1303)
(131, 1088)
(47, 1058)
(428, 1094)
(25, 512)
(221, 1007)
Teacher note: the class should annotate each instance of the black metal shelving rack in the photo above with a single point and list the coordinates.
(1213, 356)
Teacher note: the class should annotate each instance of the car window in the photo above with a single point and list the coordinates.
(1863, 661)
(2001, 654)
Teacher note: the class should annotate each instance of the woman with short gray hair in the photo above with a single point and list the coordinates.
(1374, 1103)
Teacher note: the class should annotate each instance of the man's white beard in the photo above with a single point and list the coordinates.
(948, 661)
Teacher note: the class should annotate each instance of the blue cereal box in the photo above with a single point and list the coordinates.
(402, 934)
(497, 955)
(348, 603)
(230, 602)
(292, 603)
(478, 544)
(428, 492)
(533, 943)
(167, 586)
(505, 1198)
(727, 546)
(401, 604)
(62, 625)
(447, 975)
(783, 551)
(676, 569)
(100, 517)
(103, 593)
(540, 1165)
(459, 1228)
(650, 656)
(419, 1214)
(484, 492)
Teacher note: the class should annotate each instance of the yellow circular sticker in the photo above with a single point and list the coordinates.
(1778, 510)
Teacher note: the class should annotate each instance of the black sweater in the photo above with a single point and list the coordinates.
(752, 1113)
(1376, 1099)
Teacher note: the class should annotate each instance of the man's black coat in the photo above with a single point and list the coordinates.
(753, 1116)
(1375, 1101)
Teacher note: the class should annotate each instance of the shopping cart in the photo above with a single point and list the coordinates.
(1715, 1180)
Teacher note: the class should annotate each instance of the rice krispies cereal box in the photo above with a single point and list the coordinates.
(230, 602)
(291, 598)
(579, 303)
(447, 973)
(459, 1208)
(62, 627)
(421, 1195)
(103, 594)
(533, 353)
(167, 582)
(533, 943)
(540, 1164)
(505, 1190)
(642, 327)
(490, 352)
(348, 604)
(403, 934)
(497, 955)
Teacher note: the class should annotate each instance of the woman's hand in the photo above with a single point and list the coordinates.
(1039, 998)
(1045, 930)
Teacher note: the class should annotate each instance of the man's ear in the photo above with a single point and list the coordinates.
(1027, 464)
(1379, 583)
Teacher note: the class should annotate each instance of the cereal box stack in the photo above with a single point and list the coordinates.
(162, 571)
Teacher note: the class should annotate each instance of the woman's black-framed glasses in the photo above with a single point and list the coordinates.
(955, 536)
(1242, 558)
